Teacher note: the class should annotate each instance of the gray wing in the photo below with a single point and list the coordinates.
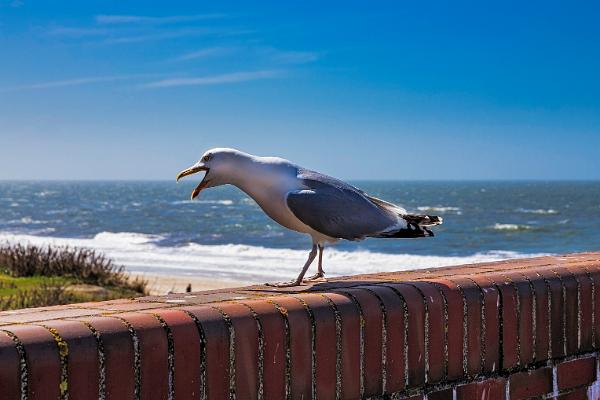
(336, 209)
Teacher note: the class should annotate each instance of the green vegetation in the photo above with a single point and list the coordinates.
(33, 276)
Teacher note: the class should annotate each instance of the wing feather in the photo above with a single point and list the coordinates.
(337, 209)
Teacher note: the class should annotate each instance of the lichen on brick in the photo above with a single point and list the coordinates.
(63, 352)
(23, 368)
(101, 361)
(170, 355)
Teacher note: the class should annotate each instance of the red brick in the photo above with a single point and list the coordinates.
(489, 389)
(350, 344)
(118, 355)
(153, 352)
(542, 338)
(10, 371)
(130, 305)
(274, 339)
(187, 353)
(574, 373)
(416, 333)
(510, 323)
(577, 394)
(394, 327)
(437, 327)
(594, 274)
(532, 383)
(571, 310)
(371, 327)
(584, 283)
(300, 346)
(216, 351)
(45, 315)
(526, 338)
(444, 394)
(325, 345)
(491, 315)
(454, 305)
(43, 361)
(472, 298)
(246, 349)
(556, 313)
(83, 363)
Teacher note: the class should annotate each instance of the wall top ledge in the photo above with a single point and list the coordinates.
(516, 329)
(553, 264)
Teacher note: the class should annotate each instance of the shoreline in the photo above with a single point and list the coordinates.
(163, 284)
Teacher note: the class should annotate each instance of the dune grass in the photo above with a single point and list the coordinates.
(33, 276)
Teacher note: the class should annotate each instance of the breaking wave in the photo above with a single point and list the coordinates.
(511, 227)
(541, 211)
(225, 202)
(142, 253)
(439, 209)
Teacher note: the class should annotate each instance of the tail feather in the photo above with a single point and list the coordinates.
(416, 226)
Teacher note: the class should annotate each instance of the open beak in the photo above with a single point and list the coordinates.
(193, 170)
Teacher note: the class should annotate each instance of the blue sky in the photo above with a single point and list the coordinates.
(386, 90)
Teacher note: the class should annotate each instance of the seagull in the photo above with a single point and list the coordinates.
(325, 208)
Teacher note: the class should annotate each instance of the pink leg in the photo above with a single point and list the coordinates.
(320, 273)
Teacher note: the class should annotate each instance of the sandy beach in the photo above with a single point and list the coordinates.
(163, 284)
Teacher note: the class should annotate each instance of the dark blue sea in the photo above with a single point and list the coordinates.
(152, 227)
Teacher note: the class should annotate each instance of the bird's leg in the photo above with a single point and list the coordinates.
(298, 281)
(320, 273)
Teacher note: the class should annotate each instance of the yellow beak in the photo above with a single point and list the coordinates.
(190, 171)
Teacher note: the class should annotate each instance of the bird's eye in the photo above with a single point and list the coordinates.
(206, 158)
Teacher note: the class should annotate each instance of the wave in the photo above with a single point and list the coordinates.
(439, 209)
(511, 227)
(540, 211)
(141, 253)
(26, 221)
(225, 202)
(46, 193)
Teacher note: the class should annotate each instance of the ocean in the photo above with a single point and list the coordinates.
(152, 227)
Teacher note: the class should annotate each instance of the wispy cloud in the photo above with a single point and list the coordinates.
(159, 36)
(208, 52)
(79, 81)
(78, 32)
(260, 53)
(214, 79)
(294, 57)
(144, 19)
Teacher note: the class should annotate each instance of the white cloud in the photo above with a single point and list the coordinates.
(77, 32)
(143, 19)
(294, 57)
(158, 36)
(214, 79)
(79, 81)
(208, 52)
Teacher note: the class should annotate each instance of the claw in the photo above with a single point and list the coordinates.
(318, 277)
(284, 284)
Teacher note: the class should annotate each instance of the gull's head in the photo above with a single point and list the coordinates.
(221, 166)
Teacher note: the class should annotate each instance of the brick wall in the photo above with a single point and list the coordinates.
(508, 330)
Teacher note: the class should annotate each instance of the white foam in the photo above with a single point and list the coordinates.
(26, 221)
(45, 193)
(540, 211)
(440, 209)
(253, 264)
(225, 202)
(510, 227)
